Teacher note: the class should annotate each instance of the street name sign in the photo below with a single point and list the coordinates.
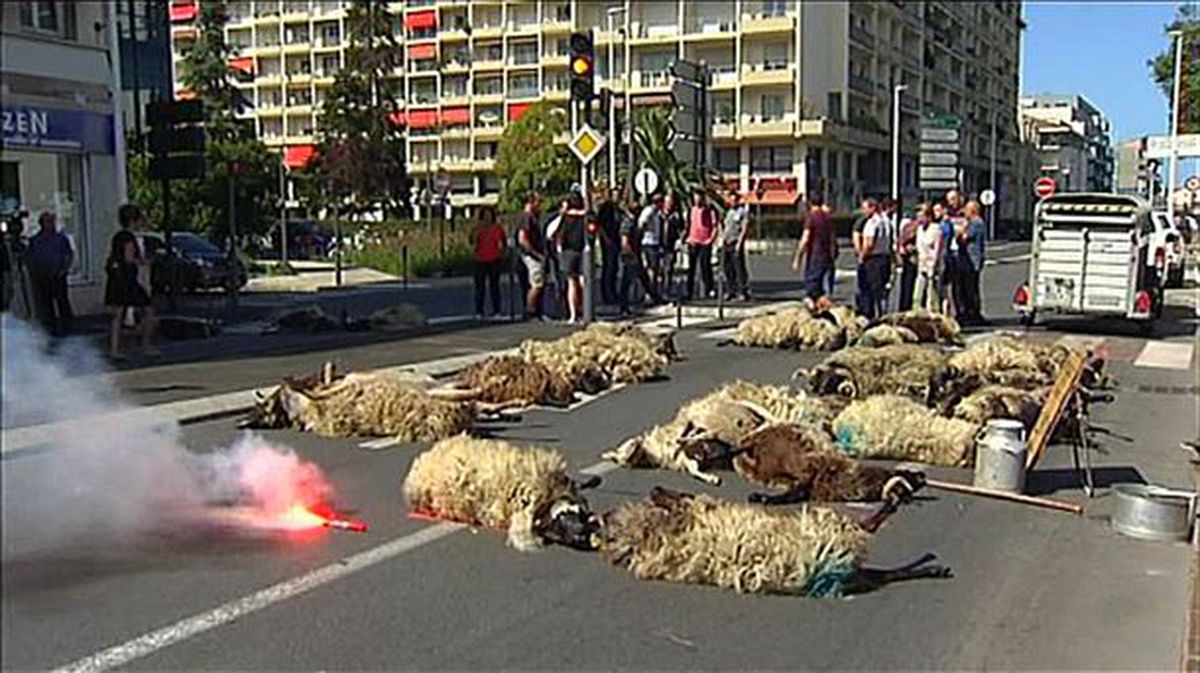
(939, 159)
(1159, 147)
(939, 135)
(938, 173)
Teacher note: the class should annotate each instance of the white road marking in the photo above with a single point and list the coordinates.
(381, 443)
(1165, 355)
(669, 323)
(190, 627)
(447, 319)
(586, 399)
(1081, 341)
(719, 334)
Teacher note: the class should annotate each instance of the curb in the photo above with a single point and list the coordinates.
(731, 312)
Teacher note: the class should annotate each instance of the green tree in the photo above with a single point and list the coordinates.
(528, 157)
(359, 165)
(653, 139)
(1162, 68)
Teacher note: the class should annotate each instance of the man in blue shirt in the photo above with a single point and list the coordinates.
(970, 234)
(49, 258)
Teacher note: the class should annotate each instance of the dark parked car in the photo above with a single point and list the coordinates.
(306, 240)
(196, 264)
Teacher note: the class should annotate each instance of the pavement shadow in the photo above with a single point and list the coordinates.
(1053, 480)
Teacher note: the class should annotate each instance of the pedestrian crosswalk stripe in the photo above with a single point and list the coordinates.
(381, 443)
(1081, 341)
(1165, 355)
(719, 334)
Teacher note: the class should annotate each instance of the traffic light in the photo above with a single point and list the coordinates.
(177, 139)
(583, 66)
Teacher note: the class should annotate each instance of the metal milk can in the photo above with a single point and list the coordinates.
(1000, 456)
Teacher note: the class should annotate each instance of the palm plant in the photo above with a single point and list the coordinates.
(654, 138)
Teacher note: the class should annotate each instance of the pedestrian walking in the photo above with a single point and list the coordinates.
(875, 261)
(48, 257)
(906, 252)
(672, 227)
(970, 234)
(650, 222)
(608, 217)
(930, 253)
(570, 242)
(532, 244)
(123, 291)
(817, 250)
(632, 268)
(490, 249)
(734, 231)
(702, 232)
(949, 280)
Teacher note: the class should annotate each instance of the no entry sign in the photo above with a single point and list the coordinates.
(1044, 187)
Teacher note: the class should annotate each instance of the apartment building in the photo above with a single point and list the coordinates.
(1072, 137)
(63, 149)
(1135, 173)
(801, 97)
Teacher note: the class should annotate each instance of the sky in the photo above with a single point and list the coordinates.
(1100, 49)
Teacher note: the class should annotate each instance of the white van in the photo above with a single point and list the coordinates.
(1092, 255)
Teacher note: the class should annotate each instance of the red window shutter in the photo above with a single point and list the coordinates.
(421, 20)
(422, 119)
(420, 51)
(456, 115)
(183, 11)
(298, 156)
(398, 118)
(245, 64)
(516, 110)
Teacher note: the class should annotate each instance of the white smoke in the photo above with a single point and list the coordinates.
(113, 472)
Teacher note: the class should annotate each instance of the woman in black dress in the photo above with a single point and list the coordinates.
(123, 292)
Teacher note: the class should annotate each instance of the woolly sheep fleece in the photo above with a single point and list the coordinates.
(1011, 361)
(505, 379)
(378, 405)
(625, 354)
(789, 328)
(747, 548)
(900, 369)
(489, 483)
(897, 428)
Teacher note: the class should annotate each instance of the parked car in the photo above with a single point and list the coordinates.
(196, 264)
(306, 240)
(1170, 252)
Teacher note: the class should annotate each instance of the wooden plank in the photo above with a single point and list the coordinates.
(1056, 403)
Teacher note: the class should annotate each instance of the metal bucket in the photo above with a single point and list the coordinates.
(1000, 456)
(1153, 512)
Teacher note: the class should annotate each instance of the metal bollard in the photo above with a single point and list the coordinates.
(404, 263)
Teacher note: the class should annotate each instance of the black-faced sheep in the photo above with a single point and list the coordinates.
(801, 461)
(361, 405)
(696, 539)
(902, 369)
(898, 428)
(522, 490)
(706, 431)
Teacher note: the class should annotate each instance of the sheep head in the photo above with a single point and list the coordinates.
(567, 520)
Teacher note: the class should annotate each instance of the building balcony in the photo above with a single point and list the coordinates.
(423, 72)
(458, 164)
(522, 64)
(661, 34)
(723, 130)
(269, 79)
(757, 126)
(712, 30)
(768, 73)
(555, 27)
(523, 93)
(861, 85)
(761, 24)
(489, 132)
(556, 60)
(862, 37)
(522, 28)
(487, 65)
(484, 164)
(262, 49)
(452, 35)
(456, 98)
(269, 109)
(297, 47)
(488, 98)
(450, 67)
(557, 94)
(650, 81)
(457, 131)
(484, 32)
(725, 77)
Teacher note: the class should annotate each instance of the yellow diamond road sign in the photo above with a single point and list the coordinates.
(586, 144)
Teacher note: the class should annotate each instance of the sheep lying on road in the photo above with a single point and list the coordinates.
(801, 461)
(934, 328)
(1009, 360)
(603, 354)
(696, 539)
(790, 328)
(881, 335)
(522, 490)
(706, 431)
(898, 428)
(362, 405)
(901, 369)
(510, 382)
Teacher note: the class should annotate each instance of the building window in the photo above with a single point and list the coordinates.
(774, 159)
(771, 107)
(728, 159)
(56, 18)
(835, 105)
(46, 182)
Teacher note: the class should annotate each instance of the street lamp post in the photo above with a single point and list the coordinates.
(1173, 175)
(614, 145)
(626, 83)
(896, 91)
(992, 182)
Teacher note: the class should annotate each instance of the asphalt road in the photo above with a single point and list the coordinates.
(1033, 588)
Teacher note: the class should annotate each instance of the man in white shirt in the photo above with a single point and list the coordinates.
(874, 256)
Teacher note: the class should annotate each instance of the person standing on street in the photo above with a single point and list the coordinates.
(950, 261)
(868, 210)
(970, 233)
(906, 251)
(818, 251)
(123, 291)
(48, 258)
(672, 224)
(734, 231)
(570, 241)
(650, 222)
(533, 254)
(608, 216)
(929, 258)
(875, 261)
(490, 248)
(702, 231)
(632, 268)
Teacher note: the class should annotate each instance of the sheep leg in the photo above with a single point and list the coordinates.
(868, 578)
(692, 467)
(454, 394)
(795, 495)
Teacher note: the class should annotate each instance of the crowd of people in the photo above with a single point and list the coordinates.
(938, 251)
(640, 247)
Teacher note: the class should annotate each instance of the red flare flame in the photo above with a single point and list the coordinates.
(301, 517)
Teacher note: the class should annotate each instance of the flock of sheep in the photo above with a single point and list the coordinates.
(890, 391)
